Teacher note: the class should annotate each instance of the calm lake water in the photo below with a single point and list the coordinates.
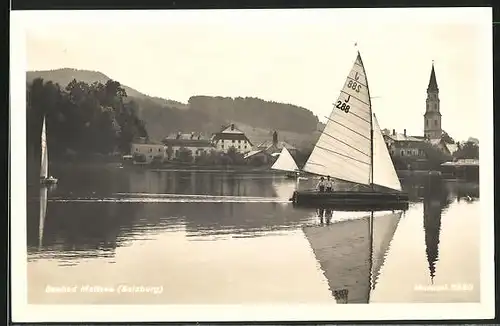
(116, 235)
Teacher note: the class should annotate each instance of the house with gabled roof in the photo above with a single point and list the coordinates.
(275, 145)
(269, 150)
(231, 137)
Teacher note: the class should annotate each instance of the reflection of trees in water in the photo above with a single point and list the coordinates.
(85, 229)
(235, 218)
(199, 183)
(467, 190)
(90, 181)
(96, 229)
(147, 181)
(439, 189)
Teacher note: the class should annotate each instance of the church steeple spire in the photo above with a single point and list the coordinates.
(432, 116)
(433, 87)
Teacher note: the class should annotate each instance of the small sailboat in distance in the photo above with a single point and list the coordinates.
(351, 148)
(286, 162)
(45, 179)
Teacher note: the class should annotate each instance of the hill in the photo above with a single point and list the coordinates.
(65, 75)
(206, 114)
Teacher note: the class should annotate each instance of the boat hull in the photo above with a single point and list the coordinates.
(350, 200)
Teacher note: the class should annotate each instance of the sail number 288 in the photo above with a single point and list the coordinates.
(343, 106)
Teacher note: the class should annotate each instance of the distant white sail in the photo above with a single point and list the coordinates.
(285, 162)
(384, 173)
(43, 212)
(44, 168)
(343, 150)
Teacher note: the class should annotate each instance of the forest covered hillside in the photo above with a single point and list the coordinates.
(161, 117)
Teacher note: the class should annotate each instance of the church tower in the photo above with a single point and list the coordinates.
(432, 116)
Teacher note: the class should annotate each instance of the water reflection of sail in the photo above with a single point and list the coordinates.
(43, 212)
(352, 252)
(384, 228)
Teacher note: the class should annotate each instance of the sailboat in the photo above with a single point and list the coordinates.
(351, 148)
(352, 252)
(286, 162)
(44, 168)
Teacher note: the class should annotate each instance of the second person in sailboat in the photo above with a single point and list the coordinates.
(329, 184)
(321, 184)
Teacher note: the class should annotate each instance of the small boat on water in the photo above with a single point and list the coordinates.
(45, 179)
(351, 148)
(286, 162)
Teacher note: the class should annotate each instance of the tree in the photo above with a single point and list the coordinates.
(185, 155)
(469, 150)
(257, 160)
(157, 160)
(434, 155)
(139, 157)
(81, 117)
(236, 157)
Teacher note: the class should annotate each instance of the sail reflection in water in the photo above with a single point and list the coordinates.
(352, 252)
(43, 212)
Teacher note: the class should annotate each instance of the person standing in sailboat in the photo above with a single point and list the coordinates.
(329, 184)
(321, 185)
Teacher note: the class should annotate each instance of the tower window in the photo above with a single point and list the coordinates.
(435, 122)
(427, 123)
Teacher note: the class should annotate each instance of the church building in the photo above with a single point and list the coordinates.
(432, 116)
(418, 149)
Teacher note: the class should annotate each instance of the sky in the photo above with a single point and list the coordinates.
(298, 56)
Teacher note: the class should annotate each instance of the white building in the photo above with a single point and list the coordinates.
(194, 143)
(230, 136)
(149, 151)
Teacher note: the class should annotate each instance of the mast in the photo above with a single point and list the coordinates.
(371, 149)
(371, 127)
(370, 276)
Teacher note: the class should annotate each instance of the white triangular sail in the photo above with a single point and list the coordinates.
(384, 173)
(43, 212)
(285, 162)
(343, 150)
(44, 168)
